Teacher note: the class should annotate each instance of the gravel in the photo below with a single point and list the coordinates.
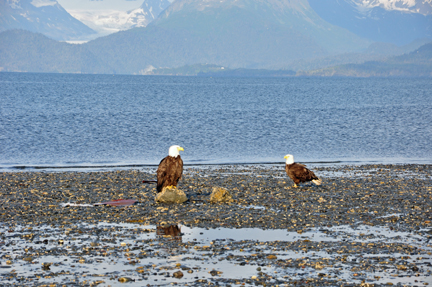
(367, 225)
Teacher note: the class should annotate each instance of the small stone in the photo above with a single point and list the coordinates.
(318, 266)
(46, 266)
(178, 274)
(124, 279)
(321, 200)
(220, 194)
(401, 267)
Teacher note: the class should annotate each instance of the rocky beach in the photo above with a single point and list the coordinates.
(367, 225)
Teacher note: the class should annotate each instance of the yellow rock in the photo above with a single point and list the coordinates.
(318, 266)
(401, 267)
(124, 279)
(220, 194)
(171, 195)
(178, 274)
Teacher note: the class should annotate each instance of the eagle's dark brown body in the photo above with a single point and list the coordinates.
(169, 172)
(299, 173)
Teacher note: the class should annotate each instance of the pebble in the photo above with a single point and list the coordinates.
(398, 197)
(178, 274)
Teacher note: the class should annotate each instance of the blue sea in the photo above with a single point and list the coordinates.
(81, 121)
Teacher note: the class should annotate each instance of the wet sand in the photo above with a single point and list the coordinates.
(367, 225)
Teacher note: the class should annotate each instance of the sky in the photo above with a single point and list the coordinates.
(88, 5)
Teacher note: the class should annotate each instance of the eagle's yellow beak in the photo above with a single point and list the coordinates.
(180, 148)
(285, 156)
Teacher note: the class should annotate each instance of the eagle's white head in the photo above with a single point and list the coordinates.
(289, 159)
(174, 150)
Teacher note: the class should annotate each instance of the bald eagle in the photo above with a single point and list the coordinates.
(299, 173)
(170, 168)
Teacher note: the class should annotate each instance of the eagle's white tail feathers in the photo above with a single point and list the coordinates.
(317, 181)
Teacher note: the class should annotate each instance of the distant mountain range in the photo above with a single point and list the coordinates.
(24, 51)
(46, 17)
(107, 22)
(238, 35)
(415, 64)
(393, 21)
(412, 6)
(49, 18)
(398, 22)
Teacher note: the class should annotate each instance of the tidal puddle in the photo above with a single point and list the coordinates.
(137, 255)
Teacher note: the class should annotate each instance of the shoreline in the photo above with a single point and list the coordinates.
(126, 166)
(367, 224)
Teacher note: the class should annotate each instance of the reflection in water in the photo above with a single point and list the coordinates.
(84, 258)
(171, 237)
(172, 230)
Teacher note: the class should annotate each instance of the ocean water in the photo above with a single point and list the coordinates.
(68, 120)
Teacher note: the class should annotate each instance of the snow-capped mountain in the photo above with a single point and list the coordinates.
(252, 34)
(42, 16)
(413, 6)
(109, 21)
(392, 21)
